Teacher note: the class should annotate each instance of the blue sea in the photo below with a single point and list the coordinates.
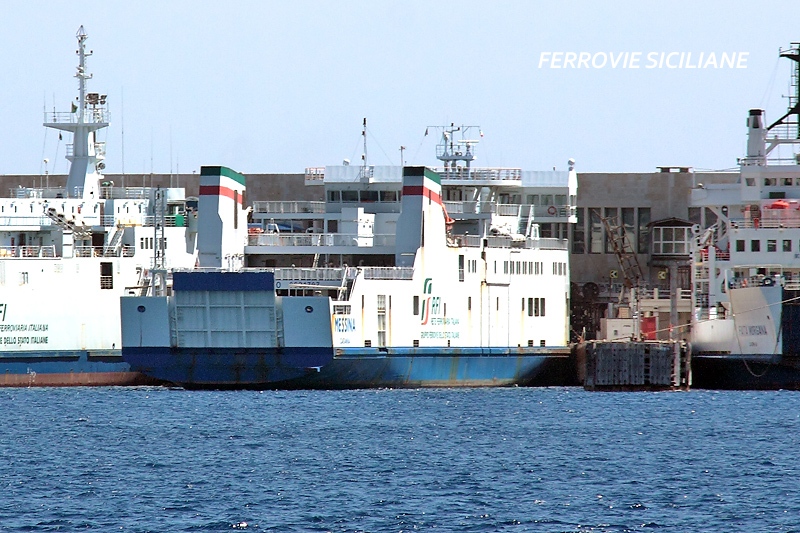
(514, 459)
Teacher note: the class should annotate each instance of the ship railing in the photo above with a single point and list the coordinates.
(100, 251)
(93, 115)
(170, 221)
(110, 192)
(480, 174)
(539, 211)
(315, 173)
(288, 207)
(99, 149)
(507, 241)
(27, 251)
(33, 220)
(719, 255)
(469, 207)
(309, 274)
(319, 239)
(788, 220)
(388, 272)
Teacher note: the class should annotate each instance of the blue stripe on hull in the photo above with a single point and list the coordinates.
(750, 372)
(67, 368)
(316, 368)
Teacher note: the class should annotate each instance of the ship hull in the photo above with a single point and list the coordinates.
(745, 372)
(319, 368)
(68, 369)
(758, 348)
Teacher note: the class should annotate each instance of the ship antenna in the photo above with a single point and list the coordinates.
(364, 154)
(83, 120)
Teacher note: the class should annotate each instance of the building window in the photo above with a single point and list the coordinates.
(755, 246)
(612, 215)
(671, 241)
(644, 230)
(595, 231)
(579, 234)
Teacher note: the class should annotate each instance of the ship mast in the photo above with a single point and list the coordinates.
(85, 154)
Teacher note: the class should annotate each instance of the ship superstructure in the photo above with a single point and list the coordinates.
(67, 254)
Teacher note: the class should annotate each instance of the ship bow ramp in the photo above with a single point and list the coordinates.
(226, 330)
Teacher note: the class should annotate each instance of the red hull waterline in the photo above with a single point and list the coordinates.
(76, 379)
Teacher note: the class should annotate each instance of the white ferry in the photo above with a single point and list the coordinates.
(404, 277)
(746, 273)
(68, 254)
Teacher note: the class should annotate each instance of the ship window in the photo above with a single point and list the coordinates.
(460, 268)
(750, 182)
(740, 245)
(770, 182)
(106, 276)
(369, 196)
(469, 303)
(518, 268)
(530, 306)
(416, 305)
(755, 245)
(388, 196)
(334, 196)
(787, 245)
(787, 182)
(349, 196)
(772, 245)
(505, 267)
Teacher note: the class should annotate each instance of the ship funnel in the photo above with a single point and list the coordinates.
(222, 228)
(756, 135)
(422, 217)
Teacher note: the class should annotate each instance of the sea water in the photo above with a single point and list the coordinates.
(515, 459)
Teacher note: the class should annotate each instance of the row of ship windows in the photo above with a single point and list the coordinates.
(524, 268)
(535, 306)
(773, 182)
(772, 245)
(147, 243)
(364, 196)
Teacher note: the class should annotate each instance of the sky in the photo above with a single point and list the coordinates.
(274, 87)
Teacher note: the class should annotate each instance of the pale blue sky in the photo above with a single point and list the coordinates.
(264, 86)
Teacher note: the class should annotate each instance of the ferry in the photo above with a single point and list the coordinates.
(406, 276)
(67, 254)
(745, 332)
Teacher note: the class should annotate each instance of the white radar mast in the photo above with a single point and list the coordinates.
(89, 115)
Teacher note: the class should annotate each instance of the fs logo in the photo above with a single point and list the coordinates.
(430, 305)
(3, 309)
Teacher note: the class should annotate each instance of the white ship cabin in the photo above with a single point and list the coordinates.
(44, 222)
(756, 238)
(357, 223)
